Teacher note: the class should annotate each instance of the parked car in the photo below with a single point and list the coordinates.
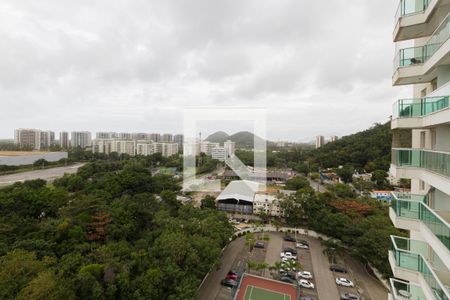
(306, 284)
(306, 298)
(305, 242)
(349, 296)
(301, 246)
(229, 282)
(305, 274)
(259, 245)
(292, 250)
(288, 238)
(231, 276)
(337, 268)
(287, 255)
(344, 282)
(287, 279)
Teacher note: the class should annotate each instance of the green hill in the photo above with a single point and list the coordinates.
(243, 139)
(370, 149)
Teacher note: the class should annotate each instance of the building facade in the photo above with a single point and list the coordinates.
(179, 139)
(81, 139)
(167, 138)
(47, 139)
(333, 138)
(320, 141)
(64, 141)
(421, 151)
(28, 138)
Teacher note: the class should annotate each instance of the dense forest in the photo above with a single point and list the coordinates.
(369, 149)
(111, 231)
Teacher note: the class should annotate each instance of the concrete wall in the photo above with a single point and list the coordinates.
(30, 159)
(443, 138)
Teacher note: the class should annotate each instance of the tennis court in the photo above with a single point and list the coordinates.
(254, 287)
(255, 293)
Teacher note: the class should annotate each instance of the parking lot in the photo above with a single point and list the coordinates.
(311, 259)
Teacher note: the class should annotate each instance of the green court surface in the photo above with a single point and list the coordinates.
(255, 293)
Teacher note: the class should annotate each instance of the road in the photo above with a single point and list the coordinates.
(370, 287)
(317, 186)
(46, 174)
(326, 286)
(211, 287)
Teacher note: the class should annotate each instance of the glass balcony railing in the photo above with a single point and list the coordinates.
(435, 161)
(410, 7)
(415, 207)
(401, 290)
(419, 107)
(418, 55)
(409, 255)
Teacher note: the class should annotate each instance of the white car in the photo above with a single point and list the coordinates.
(344, 282)
(287, 255)
(306, 284)
(301, 246)
(305, 274)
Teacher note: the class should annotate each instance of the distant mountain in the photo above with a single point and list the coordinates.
(218, 137)
(243, 139)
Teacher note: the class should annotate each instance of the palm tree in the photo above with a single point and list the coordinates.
(274, 269)
(251, 265)
(262, 266)
(250, 241)
(331, 248)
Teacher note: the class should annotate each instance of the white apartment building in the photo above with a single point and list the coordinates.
(80, 139)
(124, 147)
(230, 148)
(102, 146)
(179, 139)
(333, 138)
(219, 153)
(191, 148)
(269, 204)
(166, 149)
(106, 135)
(207, 147)
(28, 138)
(421, 151)
(125, 136)
(320, 141)
(167, 138)
(64, 141)
(145, 148)
(156, 137)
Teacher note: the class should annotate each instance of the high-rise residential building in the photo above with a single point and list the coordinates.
(124, 147)
(125, 136)
(106, 135)
(166, 149)
(81, 139)
(333, 138)
(156, 137)
(47, 139)
(64, 139)
(191, 148)
(421, 152)
(230, 148)
(145, 148)
(102, 146)
(320, 141)
(179, 139)
(28, 138)
(140, 136)
(167, 138)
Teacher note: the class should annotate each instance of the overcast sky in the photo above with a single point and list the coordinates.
(319, 67)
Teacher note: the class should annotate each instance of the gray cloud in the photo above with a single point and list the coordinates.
(121, 65)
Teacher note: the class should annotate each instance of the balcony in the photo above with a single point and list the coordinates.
(414, 207)
(434, 161)
(418, 64)
(419, 112)
(408, 255)
(401, 290)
